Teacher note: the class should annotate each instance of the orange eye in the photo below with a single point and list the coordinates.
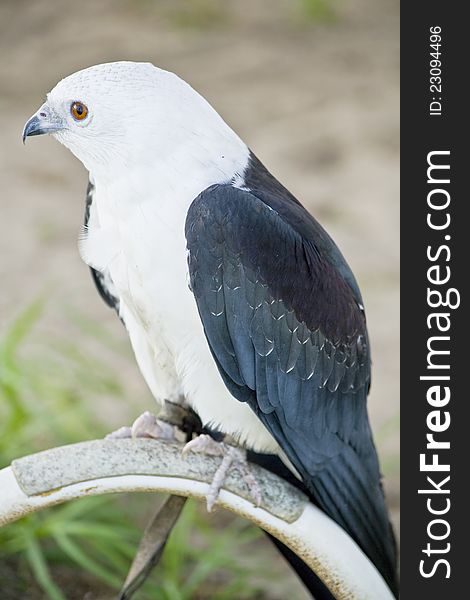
(78, 111)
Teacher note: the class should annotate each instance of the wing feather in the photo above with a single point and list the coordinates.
(102, 279)
(289, 338)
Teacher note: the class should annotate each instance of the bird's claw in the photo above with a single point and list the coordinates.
(120, 434)
(232, 457)
(145, 426)
(204, 444)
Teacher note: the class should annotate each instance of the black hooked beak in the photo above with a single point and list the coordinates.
(39, 124)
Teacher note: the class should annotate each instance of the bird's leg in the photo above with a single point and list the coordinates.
(182, 417)
(232, 457)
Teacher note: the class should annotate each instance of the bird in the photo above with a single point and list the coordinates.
(235, 299)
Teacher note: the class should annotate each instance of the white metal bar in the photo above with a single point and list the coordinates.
(313, 536)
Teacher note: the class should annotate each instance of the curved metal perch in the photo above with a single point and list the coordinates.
(127, 465)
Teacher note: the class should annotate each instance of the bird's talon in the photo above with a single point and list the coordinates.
(232, 458)
(204, 444)
(119, 434)
(145, 426)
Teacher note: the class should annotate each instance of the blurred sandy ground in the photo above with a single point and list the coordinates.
(317, 101)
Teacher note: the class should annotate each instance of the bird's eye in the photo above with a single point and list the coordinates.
(78, 111)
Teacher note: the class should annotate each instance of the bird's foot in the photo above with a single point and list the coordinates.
(176, 422)
(232, 457)
(145, 426)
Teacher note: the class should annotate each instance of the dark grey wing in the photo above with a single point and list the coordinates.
(281, 314)
(102, 280)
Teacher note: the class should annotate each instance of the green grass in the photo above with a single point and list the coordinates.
(318, 10)
(206, 15)
(45, 401)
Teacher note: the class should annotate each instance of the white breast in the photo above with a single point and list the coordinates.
(139, 238)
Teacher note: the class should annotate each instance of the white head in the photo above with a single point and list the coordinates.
(126, 113)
